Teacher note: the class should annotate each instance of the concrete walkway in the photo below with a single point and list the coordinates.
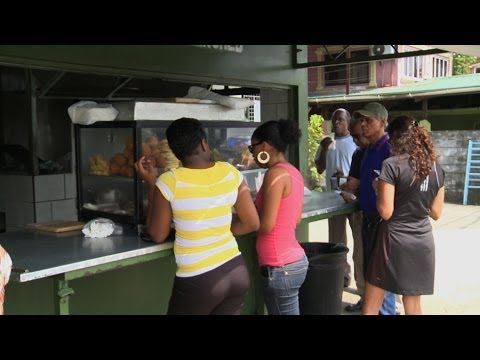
(457, 269)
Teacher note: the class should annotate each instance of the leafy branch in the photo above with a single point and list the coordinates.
(315, 133)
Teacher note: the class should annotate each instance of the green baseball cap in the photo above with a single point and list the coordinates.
(372, 109)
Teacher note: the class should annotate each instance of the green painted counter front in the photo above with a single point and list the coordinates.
(142, 288)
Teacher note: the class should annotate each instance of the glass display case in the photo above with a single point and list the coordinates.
(107, 184)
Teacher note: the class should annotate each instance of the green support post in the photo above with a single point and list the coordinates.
(62, 297)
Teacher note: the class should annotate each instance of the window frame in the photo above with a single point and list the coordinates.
(439, 67)
(356, 70)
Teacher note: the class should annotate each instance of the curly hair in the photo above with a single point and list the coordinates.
(406, 137)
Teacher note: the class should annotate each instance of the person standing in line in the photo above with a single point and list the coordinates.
(211, 276)
(334, 157)
(283, 263)
(5, 269)
(410, 191)
(351, 187)
(373, 118)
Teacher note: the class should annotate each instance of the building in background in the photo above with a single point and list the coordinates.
(475, 68)
(348, 79)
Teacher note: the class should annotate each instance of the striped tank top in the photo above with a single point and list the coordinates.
(202, 201)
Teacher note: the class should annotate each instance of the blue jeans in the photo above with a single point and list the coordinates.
(281, 285)
(389, 304)
(389, 301)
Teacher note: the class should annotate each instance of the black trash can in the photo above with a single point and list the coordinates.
(321, 293)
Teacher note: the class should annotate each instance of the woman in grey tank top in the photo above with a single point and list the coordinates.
(410, 191)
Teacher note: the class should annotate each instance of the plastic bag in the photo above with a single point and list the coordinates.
(89, 112)
(198, 92)
(100, 228)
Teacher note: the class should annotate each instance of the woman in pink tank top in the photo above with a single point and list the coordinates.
(283, 264)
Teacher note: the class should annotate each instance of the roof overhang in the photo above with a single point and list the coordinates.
(472, 50)
(435, 87)
(383, 97)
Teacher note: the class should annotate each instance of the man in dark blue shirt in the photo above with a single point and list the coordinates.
(350, 189)
(373, 117)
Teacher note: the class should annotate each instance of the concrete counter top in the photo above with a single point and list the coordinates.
(38, 254)
(324, 203)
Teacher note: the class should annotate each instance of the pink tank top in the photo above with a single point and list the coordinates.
(280, 246)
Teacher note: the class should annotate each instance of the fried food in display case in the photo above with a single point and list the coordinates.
(106, 152)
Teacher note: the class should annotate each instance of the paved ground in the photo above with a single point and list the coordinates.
(457, 242)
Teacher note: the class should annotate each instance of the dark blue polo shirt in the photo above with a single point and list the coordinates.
(356, 163)
(372, 160)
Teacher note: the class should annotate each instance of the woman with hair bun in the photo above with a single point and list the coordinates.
(283, 263)
(410, 190)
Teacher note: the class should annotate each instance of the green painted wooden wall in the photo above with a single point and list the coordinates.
(267, 66)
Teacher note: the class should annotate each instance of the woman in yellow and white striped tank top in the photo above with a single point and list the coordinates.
(211, 275)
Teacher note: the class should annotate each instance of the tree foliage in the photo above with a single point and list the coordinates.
(461, 64)
(315, 133)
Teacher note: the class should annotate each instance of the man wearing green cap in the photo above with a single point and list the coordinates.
(373, 117)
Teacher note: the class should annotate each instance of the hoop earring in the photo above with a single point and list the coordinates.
(263, 161)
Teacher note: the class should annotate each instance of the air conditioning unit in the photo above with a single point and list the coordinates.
(382, 49)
